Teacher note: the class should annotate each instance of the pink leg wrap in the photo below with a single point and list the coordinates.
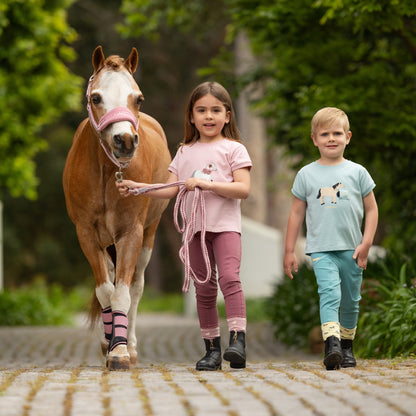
(107, 316)
(120, 324)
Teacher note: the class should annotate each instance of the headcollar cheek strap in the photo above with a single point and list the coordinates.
(89, 109)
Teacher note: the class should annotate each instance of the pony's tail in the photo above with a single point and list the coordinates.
(95, 311)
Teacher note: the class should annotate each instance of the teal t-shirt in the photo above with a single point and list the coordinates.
(334, 204)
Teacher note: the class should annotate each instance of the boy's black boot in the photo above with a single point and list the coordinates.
(212, 359)
(235, 353)
(333, 353)
(347, 354)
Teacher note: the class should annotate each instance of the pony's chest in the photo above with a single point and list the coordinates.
(106, 228)
(109, 225)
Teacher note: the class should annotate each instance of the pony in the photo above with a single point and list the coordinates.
(115, 233)
(331, 191)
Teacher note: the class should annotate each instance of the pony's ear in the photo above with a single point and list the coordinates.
(98, 58)
(132, 60)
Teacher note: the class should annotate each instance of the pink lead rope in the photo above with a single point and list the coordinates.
(188, 226)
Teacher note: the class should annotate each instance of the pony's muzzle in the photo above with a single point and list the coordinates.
(124, 145)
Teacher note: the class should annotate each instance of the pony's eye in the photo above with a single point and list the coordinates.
(96, 99)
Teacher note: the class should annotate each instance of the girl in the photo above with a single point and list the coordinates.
(213, 159)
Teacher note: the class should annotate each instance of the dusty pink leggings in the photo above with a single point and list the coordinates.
(224, 252)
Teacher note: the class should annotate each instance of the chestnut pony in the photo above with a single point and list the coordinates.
(115, 233)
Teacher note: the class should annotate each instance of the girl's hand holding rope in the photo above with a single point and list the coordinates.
(192, 183)
(125, 186)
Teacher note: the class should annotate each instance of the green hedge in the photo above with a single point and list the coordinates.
(39, 304)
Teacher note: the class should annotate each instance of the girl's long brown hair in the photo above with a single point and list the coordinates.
(230, 130)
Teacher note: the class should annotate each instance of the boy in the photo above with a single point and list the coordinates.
(333, 193)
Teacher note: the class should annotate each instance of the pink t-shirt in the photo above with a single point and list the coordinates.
(213, 161)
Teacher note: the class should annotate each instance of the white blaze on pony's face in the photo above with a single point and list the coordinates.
(115, 100)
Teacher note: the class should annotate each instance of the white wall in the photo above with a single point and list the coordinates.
(262, 261)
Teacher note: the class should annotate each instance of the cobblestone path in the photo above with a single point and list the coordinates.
(59, 371)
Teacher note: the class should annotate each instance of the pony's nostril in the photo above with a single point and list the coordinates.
(136, 139)
(118, 141)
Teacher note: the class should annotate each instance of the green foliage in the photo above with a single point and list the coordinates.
(294, 308)
(34, 247)
(145, 18)
(387, 323)
(39, 304)
(35, 85)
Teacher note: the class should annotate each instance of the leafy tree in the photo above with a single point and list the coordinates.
(40, 238)
(358, 55)
(35, 85)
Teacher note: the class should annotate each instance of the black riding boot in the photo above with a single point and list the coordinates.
(235, 353)
(212, 359)
(333, 353)
(347, 354)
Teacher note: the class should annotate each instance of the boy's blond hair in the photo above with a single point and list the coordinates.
(326, 116)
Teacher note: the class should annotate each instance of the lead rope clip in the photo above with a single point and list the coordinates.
(119, 175)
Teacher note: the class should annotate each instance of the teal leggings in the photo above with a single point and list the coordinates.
(339, 286)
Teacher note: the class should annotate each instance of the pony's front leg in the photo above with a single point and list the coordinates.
(118, 357)
(103, 270)
(136, 292)
(103, 293)
(127, 256)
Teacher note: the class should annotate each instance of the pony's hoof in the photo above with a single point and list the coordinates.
(118, 363)
(133, 357)
(118, 359)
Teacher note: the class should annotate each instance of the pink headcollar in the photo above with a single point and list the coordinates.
(113, 116)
